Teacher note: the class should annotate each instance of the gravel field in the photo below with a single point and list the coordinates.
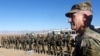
(14, 52)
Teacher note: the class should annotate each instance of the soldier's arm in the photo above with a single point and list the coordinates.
(90, 47)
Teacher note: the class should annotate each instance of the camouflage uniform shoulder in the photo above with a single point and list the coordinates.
(90, 43)
(91, 33)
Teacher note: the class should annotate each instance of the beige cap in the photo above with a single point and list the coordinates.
(84, 6)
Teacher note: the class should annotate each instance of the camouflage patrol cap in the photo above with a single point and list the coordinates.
(84, 6)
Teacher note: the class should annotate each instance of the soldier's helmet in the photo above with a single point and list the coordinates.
(84, 6)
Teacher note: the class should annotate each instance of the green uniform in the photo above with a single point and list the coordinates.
(88, 43)
(69, 42)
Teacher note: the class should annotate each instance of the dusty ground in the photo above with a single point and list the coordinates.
(14, 52)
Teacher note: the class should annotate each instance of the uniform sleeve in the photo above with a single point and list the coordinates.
(90, 47)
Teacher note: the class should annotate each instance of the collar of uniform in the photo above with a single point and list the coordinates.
(86, 29)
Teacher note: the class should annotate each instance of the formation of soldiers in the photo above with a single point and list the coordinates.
(52, 44)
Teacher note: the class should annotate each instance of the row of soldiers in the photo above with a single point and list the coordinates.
(17, 41)
(52, 44)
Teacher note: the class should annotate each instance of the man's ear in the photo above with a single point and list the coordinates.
(84, 17)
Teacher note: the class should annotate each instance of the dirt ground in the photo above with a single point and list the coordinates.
(14, 52)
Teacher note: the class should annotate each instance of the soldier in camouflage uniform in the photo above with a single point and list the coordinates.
(53, 44)
(20, 42)
(31, 42)
(48, 40)
(59, 44)
(23, 42)
(43, 43)
(8, 42)
(13, 42)
(69, 42)
(35, 43)
(17, 42)
(88, 40)
(5, 41)
(38, 43)
(2, 41)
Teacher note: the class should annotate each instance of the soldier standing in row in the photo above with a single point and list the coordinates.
(48, 43)
(69, 42)
(59, 44)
